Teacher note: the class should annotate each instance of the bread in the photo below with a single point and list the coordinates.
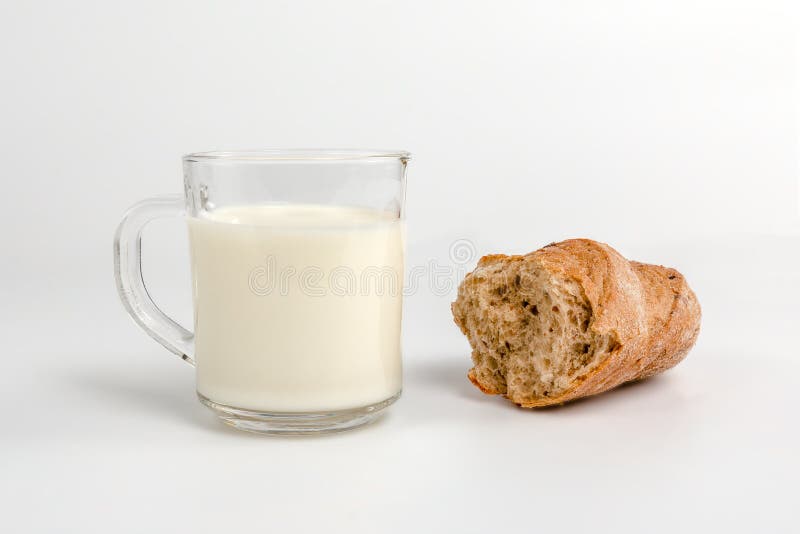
(570, 320)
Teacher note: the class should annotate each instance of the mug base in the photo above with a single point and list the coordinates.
(297, 423)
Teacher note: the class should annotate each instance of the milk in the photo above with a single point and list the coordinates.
(294, 306)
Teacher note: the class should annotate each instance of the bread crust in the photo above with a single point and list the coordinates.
(649, 311)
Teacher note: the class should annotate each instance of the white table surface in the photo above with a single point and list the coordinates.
(102, 431)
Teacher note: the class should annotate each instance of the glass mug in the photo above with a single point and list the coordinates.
(297, 267)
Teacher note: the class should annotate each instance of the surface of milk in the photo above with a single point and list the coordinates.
(297, 308)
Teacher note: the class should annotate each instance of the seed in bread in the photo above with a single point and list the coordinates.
(572, 319)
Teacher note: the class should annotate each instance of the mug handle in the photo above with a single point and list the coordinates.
(128, 272)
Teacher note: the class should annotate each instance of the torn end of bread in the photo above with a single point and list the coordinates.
(572, 319)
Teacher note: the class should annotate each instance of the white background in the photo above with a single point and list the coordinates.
(668, 129)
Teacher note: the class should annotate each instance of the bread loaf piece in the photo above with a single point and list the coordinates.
(570, 320)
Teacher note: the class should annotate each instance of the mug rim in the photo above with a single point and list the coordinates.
(297, 154)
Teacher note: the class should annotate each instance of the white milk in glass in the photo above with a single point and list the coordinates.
(297, 307)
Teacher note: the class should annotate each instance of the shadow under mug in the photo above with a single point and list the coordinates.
(297, 271)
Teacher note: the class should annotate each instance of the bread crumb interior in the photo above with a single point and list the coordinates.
(532, 336)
